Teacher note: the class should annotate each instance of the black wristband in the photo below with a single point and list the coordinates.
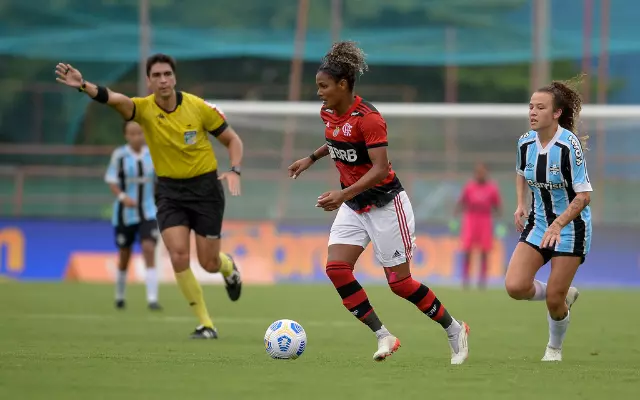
(313, 157)
(102, 96)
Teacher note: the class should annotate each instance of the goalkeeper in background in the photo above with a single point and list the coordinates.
(479, 200)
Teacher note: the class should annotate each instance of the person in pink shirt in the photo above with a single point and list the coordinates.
(479, 199)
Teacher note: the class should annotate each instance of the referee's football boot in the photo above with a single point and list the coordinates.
(203, 332)
(233, 283)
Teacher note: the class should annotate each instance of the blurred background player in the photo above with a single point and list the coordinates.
(372, 205)
(131, 178)
(552, 165)
(189, 194)
(480, 198)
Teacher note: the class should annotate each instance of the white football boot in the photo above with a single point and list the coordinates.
(386, 346)
(462, 341)
(552, 354)
(572, 296)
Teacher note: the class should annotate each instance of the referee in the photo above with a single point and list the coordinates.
(189, 194)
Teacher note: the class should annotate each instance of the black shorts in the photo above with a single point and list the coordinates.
(197, 203)
(126, 234)
(548, 254)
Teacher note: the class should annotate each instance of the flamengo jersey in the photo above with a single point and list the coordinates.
(348, 137)
(555, 174)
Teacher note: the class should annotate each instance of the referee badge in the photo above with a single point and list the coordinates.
(190, 137)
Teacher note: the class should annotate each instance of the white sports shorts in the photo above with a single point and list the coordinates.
(390, 228)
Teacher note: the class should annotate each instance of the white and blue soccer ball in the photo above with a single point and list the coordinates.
(285, 339)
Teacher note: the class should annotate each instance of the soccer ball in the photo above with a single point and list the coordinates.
(285, 339)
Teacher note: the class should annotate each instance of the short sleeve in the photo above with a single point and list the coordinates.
(520, 155)
(111, 176)
(577, 163)
(139, 107)
(213, 119)
(374, 130)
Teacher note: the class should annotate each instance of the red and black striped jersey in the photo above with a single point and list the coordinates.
(349, 136)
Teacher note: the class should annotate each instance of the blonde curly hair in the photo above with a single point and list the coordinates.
(346, 61)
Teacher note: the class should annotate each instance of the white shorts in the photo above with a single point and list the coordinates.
(390, 228)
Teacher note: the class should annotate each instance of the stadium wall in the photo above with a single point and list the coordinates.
(42, 250)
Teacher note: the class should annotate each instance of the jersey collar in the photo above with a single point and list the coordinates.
(552, 142)
(179, 97)
(136, 156)
(356, 102)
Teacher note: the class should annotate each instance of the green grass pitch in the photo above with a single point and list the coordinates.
(66, 341)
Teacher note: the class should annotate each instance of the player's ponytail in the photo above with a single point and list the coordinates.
(345, 61)
(567, 98)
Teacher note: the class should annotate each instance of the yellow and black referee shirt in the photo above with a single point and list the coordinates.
(177, 140)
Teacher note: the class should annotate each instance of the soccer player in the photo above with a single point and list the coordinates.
(372, 205)
(131, 178)
(479, 199)
(551, 164)
(189, 193)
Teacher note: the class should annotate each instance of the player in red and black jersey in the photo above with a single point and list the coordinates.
(372, 205)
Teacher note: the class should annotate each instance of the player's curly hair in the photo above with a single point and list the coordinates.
(345, 61)
(566, 97)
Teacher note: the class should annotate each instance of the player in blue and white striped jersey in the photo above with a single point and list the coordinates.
(551, 164)
(131, 177)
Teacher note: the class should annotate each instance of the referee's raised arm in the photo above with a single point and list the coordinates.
(73, 78)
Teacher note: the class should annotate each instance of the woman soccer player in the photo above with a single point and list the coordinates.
(551, 163)
(479, 199)
(372, 205)
(131, 178)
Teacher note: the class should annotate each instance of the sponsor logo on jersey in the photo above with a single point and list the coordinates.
(349, 155)
(577, 149)
(547, 185)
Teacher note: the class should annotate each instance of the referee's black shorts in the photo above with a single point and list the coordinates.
(197, 203)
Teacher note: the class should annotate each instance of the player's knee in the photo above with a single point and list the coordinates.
(148, 246)
(556, 302)
(211, 264)
(402, 285)
(518, 290)
(179, 259)
(339, 273)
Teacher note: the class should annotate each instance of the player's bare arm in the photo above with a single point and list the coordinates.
(579, 203)
(230, 139)
(72, 77)
(521, 187)
(374, 176)
(303, 164)
(552, 234)
(122, 196)
(330, 201)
